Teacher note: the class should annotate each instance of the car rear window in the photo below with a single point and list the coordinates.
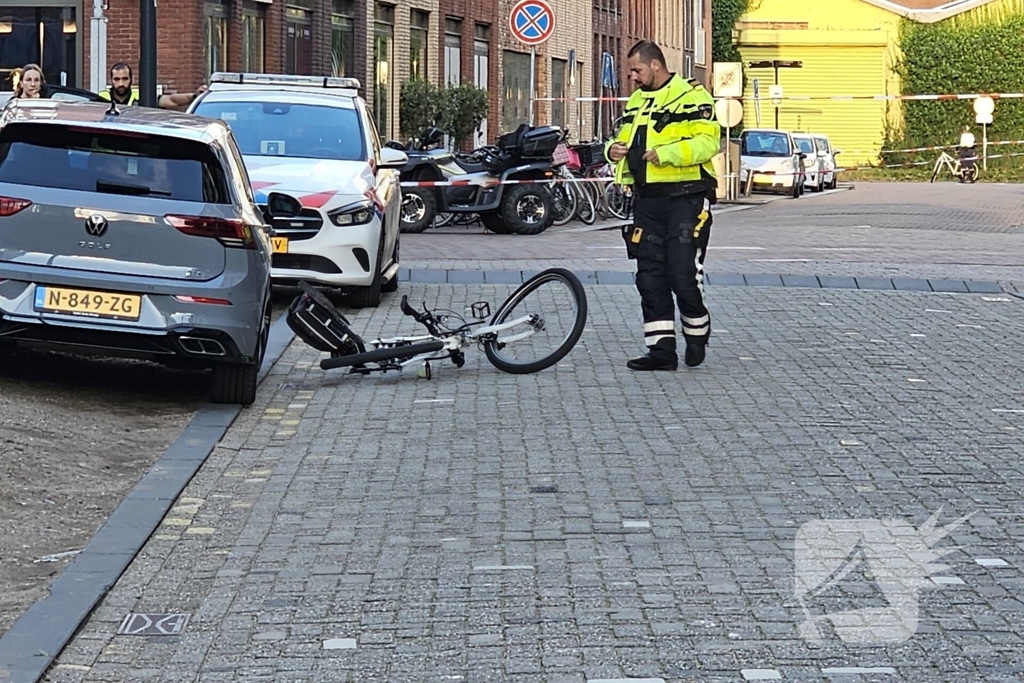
(805, 145)
(114, 162)
(282, 129)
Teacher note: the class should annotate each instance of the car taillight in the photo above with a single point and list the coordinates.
(231, 232)
(10, 206)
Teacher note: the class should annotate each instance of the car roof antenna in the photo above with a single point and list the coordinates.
(113, 105)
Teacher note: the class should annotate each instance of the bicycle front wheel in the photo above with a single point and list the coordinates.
(552, 308)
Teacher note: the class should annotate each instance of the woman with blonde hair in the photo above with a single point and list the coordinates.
(30, 82)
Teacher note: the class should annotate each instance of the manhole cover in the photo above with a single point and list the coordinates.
(137, 624)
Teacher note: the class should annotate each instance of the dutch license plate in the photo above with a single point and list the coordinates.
(88, 303)
(763, 178)
(280, 244)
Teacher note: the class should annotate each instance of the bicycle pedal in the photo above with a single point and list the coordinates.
(480, 310)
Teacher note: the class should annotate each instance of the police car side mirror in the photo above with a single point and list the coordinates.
(282, 206)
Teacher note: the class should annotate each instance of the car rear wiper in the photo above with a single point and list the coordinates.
(126, 188)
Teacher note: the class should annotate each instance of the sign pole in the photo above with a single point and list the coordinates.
(533, 73)
(532, 22)
(984, 146)
(147, 53)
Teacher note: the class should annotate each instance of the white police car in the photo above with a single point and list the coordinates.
(312, 137)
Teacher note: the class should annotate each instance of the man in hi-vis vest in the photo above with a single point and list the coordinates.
(664, 150)
(124, 92)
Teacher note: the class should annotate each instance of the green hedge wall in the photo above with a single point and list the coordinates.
(976, 52)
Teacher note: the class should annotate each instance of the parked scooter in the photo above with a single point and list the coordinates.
(523, 155)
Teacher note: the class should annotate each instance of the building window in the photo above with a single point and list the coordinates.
(298, 56)
(481, 59)
(699, 39)
(215, 47)
(254, 20)
(515, 108)
(343, 38)
(383, 44)
(558, 93)
(453, 51)
(419, 29)
(688, 28)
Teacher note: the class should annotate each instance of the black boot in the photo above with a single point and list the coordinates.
(694, 353)
(650, 362)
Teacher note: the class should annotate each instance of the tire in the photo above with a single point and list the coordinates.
(971, 175)
(392, 285)
(585, 209)
(563, 214)
(580, 297)
(381, 355)
(369, 297)
(510, 208)
(237, 382)
(495, 223)
(427, 205)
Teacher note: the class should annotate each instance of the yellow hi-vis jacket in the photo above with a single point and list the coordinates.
(681, 125)
(133, 97)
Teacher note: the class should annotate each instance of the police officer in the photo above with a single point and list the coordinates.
(123, 92)
(664, 151)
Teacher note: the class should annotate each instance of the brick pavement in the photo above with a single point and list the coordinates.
(588, 523)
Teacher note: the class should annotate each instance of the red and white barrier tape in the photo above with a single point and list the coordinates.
(494, 183)
(608, 179)
(805, 98)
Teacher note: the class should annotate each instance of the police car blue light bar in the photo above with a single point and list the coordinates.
(285, 80)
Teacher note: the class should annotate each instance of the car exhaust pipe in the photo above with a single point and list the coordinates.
(202, 347)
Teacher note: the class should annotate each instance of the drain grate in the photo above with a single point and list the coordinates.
(543, 489)
(138, 624)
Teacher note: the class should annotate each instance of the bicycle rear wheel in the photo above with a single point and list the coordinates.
(556, 304)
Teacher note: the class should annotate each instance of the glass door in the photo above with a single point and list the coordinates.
(47, 36)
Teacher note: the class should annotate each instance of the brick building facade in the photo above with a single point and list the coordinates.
(380, 43)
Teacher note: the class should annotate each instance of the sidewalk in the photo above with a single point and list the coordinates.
(587, 523)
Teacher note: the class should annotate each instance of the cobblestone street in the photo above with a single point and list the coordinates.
(587, 523)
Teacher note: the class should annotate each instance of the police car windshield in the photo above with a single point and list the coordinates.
(760, 144)
(281, 129)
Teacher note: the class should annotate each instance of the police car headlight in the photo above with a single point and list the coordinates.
(355, 214)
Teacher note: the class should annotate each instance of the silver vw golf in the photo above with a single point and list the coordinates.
(133, 233)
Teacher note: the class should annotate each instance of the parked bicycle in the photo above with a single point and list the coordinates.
(549, 307)
(965, 174)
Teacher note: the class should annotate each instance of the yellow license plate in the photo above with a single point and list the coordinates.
(280, 244)
(763, 178)
(88, 303)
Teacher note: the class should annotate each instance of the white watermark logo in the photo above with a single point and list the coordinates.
(898, 559)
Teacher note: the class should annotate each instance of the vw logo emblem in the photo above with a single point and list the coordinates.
(96, 225)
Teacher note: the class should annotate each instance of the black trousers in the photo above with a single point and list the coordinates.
(669, 239)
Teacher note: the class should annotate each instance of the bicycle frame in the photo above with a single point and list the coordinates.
(453, 342)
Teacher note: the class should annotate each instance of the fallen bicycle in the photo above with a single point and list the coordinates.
(315, 320)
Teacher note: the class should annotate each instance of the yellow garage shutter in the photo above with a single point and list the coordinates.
(855, 126)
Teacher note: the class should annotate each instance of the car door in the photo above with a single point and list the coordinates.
(389, 192)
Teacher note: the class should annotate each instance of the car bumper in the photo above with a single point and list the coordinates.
(166, 327)
(338, 256)
(769, 181)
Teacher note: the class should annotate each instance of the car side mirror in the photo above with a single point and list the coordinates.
(282, 206)
(803, 155)
(836, 151)
(392, 158)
